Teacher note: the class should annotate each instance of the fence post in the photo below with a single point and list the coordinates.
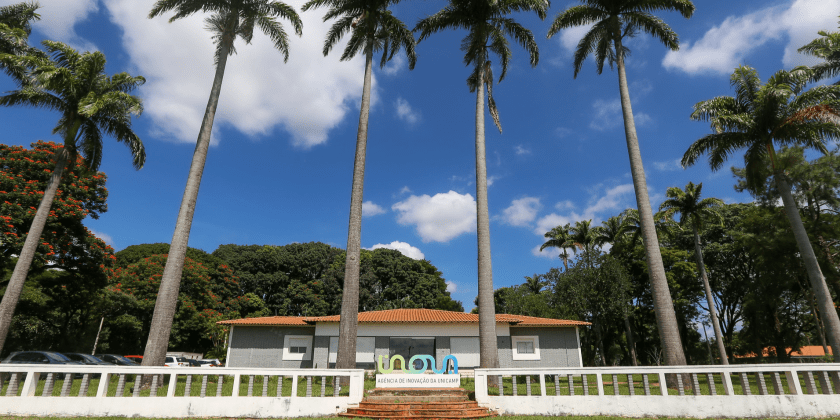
(600, 382)
(663, 385)
(173, 383)
(30, 384)
(727, 383)
(481, 394)
(236, 381)
(104, 380)
(794, 387)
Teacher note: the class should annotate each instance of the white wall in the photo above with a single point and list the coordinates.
(411, 330)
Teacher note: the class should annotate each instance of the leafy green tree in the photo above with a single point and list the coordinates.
(230, 19)
(560, 237)
(758, 118)
(372, 28)
(91, 104)
(826, 47)
(696, 212)
(612, 231)
(583, 236)
(613, 21)
(488, 27)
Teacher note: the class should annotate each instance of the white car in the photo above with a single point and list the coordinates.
(209, 362)
(172, 361)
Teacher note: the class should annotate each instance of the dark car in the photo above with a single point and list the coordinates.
(86, 359)
(194, 363)
(134, 358)
(40, 358)
(116, 359)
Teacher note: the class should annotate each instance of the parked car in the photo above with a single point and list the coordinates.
(116, 359)
(40, 358)
(86, 359)
(135, 358)
(175, 361)
(193, 363)
(210, 362)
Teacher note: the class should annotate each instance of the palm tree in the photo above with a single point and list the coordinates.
(533, 284)
(611, 231)
(760, 117)
(372, 28)
(487, 28)
(613, 22)
(15, 28)
(583, 236)
(559, 237)
(696, 212)
(230, 19)
(826, 47)
(91, 105)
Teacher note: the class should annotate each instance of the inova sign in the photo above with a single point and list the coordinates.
(445, 377)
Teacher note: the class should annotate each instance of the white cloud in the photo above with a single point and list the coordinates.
(405, 190)
(404, 248)
(668, 165)
(369, 208)
(405, 112)
(602, 202)
(451, 287)
(439, 218)
(607, 114)
(307, 96)
(521, 150)
(641, 119)
(104, 236)
(548, 253)
(58, 17)
(522, 211)
(725, 46)
(492, 178)
(395, 65)
(569, 38)
(565, 204)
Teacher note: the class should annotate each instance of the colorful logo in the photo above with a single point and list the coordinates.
(428, 363)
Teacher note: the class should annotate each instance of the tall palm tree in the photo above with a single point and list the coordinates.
(15, 28)
(696, 213)
(372, 28)
(611, 231)
(559, 237)
(583, 236)
(826, 47)
(534, 284)
(230, 19)
(613, 22)
(487, 28)
(91, 105)
(760, 117)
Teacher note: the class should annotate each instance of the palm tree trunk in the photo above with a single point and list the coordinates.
(489, 356)
(347, 326)
(30, 245)
(709, 299)
(96, 341)
(818, 322)
(666, 318)
(170, 283)
(806, 251)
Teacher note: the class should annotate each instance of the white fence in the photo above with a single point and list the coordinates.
(771, 390)
(59, 390)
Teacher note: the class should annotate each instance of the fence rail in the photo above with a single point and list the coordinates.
(62, 390)
(790, 390)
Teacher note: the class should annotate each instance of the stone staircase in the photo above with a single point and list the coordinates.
(418, 403)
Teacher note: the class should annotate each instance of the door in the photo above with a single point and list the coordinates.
(408, 347)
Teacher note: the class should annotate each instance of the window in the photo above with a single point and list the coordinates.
(297, 347)
(525, 347)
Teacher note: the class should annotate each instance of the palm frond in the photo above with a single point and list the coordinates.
(654, 27)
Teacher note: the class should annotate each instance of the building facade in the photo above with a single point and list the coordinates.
(312, 342)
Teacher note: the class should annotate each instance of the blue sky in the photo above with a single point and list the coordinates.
(280, 167)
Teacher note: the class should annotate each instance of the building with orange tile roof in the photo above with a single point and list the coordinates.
(302, 342)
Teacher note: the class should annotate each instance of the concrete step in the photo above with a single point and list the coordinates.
(419, 405)
(472, 412)
(451, 417)
(414, 398)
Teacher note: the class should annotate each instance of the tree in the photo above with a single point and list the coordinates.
(613, 22)
(15, 27)
(373, 28)
(826, 47)
(611, 231)
(559, 237)
(90, 103)
(760, 116)
(583, 236)
(229, 20)
(696, 213)
(534, 284)
(487, 26)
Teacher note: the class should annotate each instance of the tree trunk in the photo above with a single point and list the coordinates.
(666, 319)
(346, 357)
(709, 299)
(818, 322)
(599, 337)
(489, 357)
(96, 341)
(33, 238)
(170, 283)
(806, 251)
(631, 343)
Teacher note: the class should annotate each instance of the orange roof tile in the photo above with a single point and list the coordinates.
(269, 320)
(407, 316)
